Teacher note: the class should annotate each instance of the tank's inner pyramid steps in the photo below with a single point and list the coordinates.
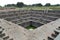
(28, 17)
(3, 35)
(11, 31)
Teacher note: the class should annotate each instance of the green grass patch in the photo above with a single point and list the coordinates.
(41, 8)
(30, 27)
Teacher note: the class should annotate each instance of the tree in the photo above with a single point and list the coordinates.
(20, 4)
(39, 4)
(47, 4)
(0, 6)
(10, 5)
(13, 5)
(57, 5)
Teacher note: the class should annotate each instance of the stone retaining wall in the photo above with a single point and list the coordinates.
(23, 16)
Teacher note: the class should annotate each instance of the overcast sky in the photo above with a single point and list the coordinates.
(4, 2)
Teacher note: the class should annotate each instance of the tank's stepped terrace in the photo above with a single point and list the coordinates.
(11, 31)
(27, 17)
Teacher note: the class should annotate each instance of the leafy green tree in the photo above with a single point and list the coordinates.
(39, 4)
(20, 4)
(57, 5)
(10, 5)
(0, 6)
(47, 4)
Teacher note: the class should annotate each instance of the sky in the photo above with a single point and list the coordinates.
(4, 2)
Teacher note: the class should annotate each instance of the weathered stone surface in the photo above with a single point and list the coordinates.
(17, 32)
(11, 31)
(24, 16)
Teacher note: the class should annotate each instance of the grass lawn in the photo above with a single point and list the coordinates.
(30, 27)
(41, 8)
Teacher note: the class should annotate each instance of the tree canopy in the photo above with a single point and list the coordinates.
(38, 4)
(21, 4)
(47, 4)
